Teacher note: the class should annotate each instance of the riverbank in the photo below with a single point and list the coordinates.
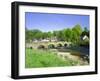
(50, 58)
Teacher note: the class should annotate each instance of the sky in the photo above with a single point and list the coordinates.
(50, 22)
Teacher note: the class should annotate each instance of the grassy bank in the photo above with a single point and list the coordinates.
(44, 58)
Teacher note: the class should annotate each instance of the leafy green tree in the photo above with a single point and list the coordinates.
(74, 37)
(85, 29)
(77, 31)
(32, 34)
(44, 35)
(85, 32)
(77, 28)
(55, 33)
(37, 34)
(67, 34)
(60, 35)
(28, 35)
(49, 34)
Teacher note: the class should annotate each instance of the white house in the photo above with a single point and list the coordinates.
(45, 40)
(85, 37)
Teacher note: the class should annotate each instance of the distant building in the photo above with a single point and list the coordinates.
(45, 40)
(35, 40)
(85, 37)
(53, 39)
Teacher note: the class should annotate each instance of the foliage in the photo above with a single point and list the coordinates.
(77, 31)
(60, 35)
(85, 32)
(31, 34)
(68, 34)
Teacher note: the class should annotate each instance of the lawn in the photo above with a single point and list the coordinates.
(45, 58)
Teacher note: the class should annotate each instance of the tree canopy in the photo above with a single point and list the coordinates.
(67, 34)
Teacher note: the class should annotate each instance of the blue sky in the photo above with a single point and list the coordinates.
(50, 22)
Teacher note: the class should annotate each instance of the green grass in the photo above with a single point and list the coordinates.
(44, 58)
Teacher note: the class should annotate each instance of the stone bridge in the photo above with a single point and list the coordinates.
(36, 45)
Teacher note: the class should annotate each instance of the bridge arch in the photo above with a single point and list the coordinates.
(41, 47)
(51, 45)
(59, 45)
(65, 44)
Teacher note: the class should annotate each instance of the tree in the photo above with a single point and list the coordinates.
(55, 33)
(37, 34)
(60, 35)
(85, 29)
(49, 34)
(28, 35)
(77, 31)
(74, 37)
(44, 35)
(67, 33)
(77, 28)
(32, 34)
(85, 32)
